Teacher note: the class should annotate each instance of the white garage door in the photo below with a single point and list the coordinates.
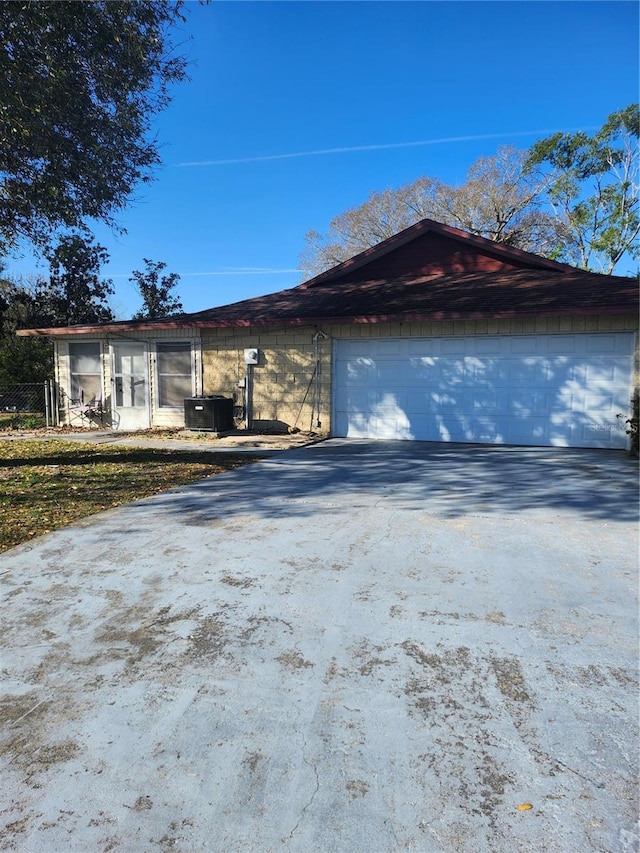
(554, 390)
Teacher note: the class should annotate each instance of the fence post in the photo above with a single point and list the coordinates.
(47, 402)
(53, 403)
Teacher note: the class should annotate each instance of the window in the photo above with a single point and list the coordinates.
(173, 364)
(86, 371)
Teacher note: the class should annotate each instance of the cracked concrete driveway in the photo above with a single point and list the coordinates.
(351, 647)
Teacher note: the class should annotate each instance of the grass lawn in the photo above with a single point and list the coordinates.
(48, 484)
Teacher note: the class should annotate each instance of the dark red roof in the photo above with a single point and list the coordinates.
(513, 293)
(430, 248)
(427, 272)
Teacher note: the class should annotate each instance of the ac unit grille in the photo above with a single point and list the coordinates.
(208, 413)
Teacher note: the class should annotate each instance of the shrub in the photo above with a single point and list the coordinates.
(632, 424)
(21, 420)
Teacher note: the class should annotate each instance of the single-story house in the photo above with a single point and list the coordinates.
(433, 334)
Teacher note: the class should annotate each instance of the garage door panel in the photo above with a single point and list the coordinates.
(489, 372)
(565, 344)
(599, 405)
(485, 434)
(420, 405)
(451, 373)
(525, 371)
(422, 375)
(488, 346)
(399, 429)
(604, 370)
(601, 376)
(449, 400)
(388, 372)
(607, 435)
(527, 344)
(453, 346)
(361, 371)
(359, 348)
(532, 430)
(389, 402)
(559, 390)
(416, 346)
(526, 403)
(360, 400)
(393, 346)
(604, 344)
(469, 429)
(491, 400)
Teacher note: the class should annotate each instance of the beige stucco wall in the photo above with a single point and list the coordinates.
(284, 385)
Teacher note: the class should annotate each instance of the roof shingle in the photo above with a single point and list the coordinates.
(427, 272)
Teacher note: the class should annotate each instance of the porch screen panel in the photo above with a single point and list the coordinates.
(130, 375)
(85, 370)
(174, 374)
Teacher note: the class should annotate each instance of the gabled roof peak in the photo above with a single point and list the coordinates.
(423, 227)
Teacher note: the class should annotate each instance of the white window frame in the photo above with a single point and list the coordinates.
(157, 346)
(100, 374)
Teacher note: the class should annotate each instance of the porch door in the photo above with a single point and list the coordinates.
(130, 384)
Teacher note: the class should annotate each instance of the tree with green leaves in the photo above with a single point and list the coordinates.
(593, 183)
(79, 85)
(498, 200)
(76, 294)
(23, 359)
(158, 300)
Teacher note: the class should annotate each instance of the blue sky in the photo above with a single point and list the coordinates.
(361, 80)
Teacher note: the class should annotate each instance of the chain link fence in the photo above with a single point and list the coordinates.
(31, 397)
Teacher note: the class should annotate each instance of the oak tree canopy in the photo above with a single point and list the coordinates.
(80, 83)
(572, 197)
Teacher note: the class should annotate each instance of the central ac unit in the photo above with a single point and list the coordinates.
(208, 413)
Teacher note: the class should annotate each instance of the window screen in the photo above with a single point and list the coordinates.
(86, 371)
(174, 374)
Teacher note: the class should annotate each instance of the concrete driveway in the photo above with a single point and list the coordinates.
(350, 647)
